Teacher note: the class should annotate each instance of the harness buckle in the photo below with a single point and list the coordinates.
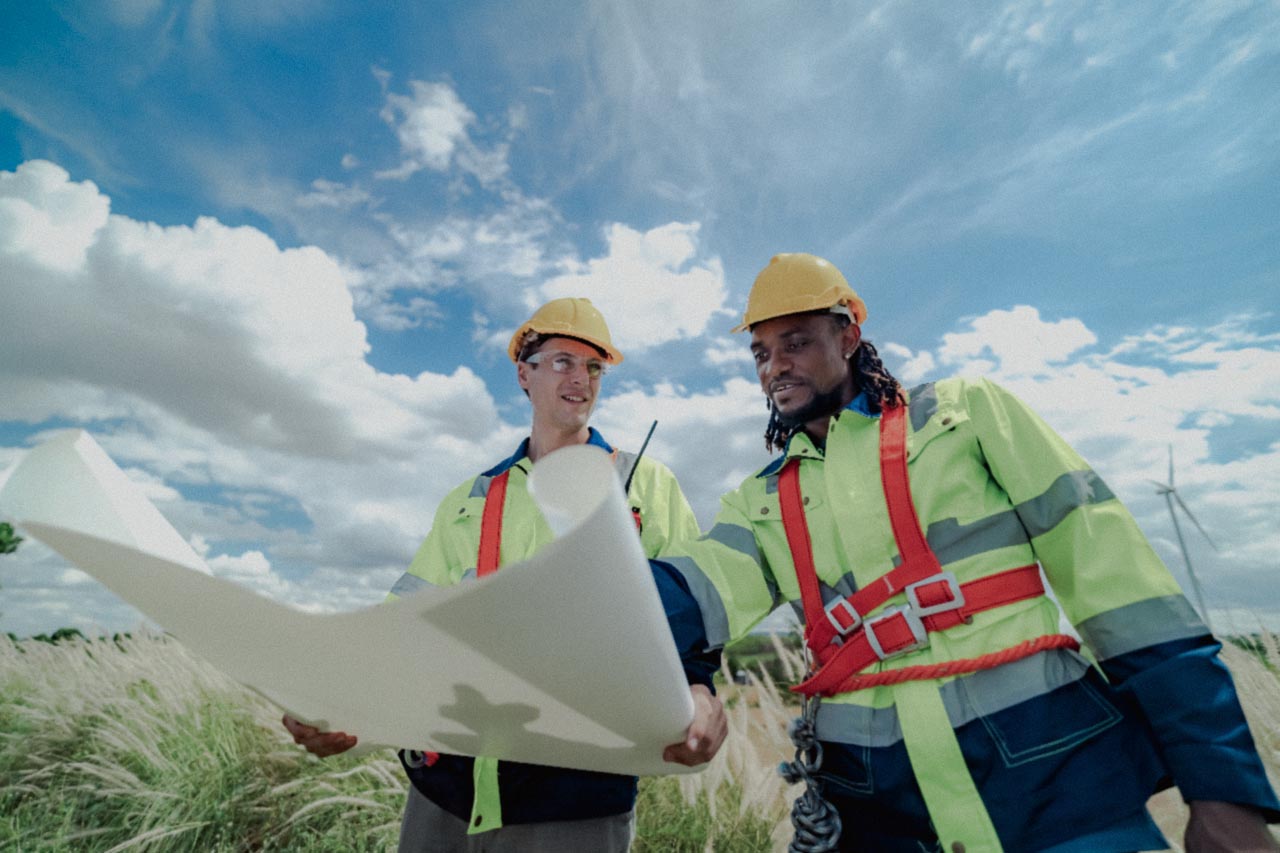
(919, 634)
(844, 606)
(953, 587)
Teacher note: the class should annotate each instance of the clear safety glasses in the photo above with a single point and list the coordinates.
(563, 362)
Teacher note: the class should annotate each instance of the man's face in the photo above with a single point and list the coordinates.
(561, 401)
(802, 363)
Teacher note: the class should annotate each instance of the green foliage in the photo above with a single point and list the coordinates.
(8, 538)
(667, 824)
(756, 652)
(131, 743)
(134, 743)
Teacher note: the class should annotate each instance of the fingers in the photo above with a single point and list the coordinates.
(705, 734)
(316, 742)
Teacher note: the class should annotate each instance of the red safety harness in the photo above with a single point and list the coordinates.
(844, 642)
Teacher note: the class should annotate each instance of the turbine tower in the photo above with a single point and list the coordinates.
(1171, 496)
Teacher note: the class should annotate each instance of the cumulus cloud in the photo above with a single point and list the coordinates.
(229, 377)
(652, 285)
(431, 124)
(1017, 340)
(728, 353)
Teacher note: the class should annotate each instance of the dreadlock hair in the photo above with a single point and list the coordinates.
(869, 374)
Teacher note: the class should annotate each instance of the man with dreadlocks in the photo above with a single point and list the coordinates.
(460, 803)
(912, 531)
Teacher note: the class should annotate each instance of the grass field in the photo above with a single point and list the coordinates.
(134, 744)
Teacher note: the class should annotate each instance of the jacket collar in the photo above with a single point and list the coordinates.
(801, 445)
(522, 452)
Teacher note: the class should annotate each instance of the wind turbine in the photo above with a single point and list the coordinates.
(1170, 497)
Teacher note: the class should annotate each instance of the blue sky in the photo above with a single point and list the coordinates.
(270, 253)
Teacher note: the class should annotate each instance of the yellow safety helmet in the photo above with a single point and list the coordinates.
(795, 282)
(570, 317)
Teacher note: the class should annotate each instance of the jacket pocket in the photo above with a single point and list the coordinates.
(1051, 724)
(846, 769)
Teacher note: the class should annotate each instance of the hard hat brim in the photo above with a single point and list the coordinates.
(856, 307)
(612, 354)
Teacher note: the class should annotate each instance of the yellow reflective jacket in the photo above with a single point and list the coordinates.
(994, 488)
(485, 792)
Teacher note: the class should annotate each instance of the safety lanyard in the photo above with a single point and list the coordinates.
(843, 641)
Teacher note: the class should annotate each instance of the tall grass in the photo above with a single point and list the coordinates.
(137, 745)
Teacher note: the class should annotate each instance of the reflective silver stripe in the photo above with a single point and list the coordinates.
(714, 618)
(409, 584)
(1071, 490)
(735, 538)
(1143, 623)
(966, 699)
(743, 541)
(771, 484)
(480, 486)
(952, 541)
(469, 574)
(922, 406)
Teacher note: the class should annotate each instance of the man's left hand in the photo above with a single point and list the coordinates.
(706, 732)
(1218, 827)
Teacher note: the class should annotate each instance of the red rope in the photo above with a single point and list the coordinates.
(956, 667)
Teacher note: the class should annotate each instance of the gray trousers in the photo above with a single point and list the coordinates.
(427, 828)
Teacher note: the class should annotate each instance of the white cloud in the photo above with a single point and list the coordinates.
(1019, 341)
(333, 194)
(207, 357)
(651, 286)
(728, 353)
(432, 125)
(915, 366)
(47, 220)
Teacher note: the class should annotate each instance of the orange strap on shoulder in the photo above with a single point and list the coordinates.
(491, 526)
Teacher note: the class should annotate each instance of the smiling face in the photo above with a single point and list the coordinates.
(802, 361)
(562, 402)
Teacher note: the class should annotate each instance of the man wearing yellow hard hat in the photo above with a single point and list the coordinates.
(913, 533)
(461, 803)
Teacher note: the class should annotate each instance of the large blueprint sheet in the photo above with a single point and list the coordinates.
(564, 659)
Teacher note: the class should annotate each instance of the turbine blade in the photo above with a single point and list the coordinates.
(1170, 465)
(1191, 516)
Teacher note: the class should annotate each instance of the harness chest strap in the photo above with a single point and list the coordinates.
(843, 641)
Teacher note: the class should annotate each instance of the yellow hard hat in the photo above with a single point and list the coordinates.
(796, 282)
(571, 317)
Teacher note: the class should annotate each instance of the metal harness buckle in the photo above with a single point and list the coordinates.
(953, 586)
(855, 619)
(919, 634)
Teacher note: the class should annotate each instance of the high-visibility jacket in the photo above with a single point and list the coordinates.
(485, 792)
(1026, 755)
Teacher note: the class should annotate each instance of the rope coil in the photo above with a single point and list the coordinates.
(816, 821)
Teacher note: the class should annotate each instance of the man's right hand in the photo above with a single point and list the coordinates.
(316, 742)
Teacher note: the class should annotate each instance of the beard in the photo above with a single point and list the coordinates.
(822, 404)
